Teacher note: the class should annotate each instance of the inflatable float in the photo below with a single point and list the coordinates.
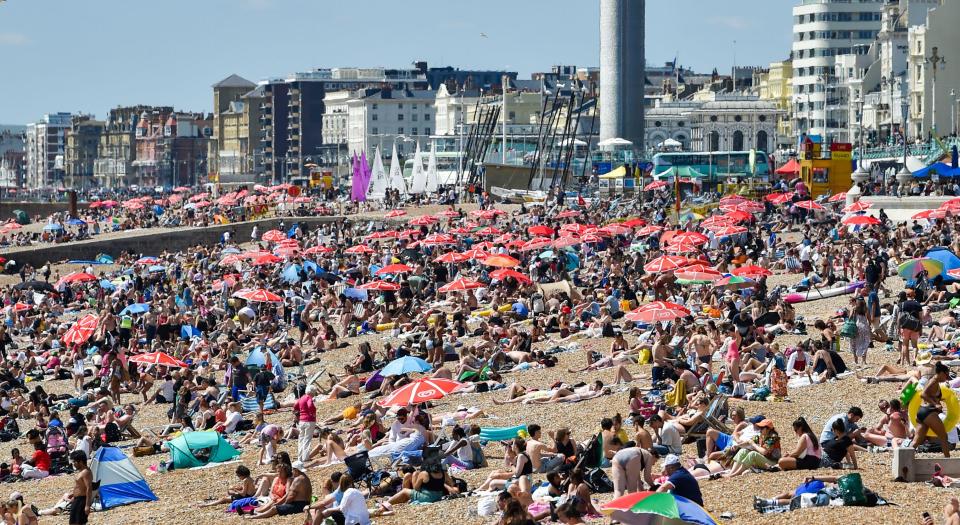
(950, 403)
(821, 293)
(433, 318)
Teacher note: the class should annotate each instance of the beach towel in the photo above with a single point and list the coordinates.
(249, 403)
(678, 396)
(501, 434)
(802, 381)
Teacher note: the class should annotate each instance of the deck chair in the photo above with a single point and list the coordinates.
(359, 467)
(592, 455)
(716, 414)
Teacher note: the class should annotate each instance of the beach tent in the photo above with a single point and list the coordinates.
(196, 449)
(941, 169)
(120, 483)
(949, 259)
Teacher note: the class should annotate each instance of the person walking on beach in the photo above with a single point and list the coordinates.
(82, 489)
(305, 414)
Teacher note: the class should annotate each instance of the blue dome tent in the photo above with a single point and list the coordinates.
(120, 483)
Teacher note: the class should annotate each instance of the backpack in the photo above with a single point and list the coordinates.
(851, 489)
(598, 481)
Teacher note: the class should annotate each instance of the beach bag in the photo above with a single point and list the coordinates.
(598, 481)
(909, 322)
(851, 489)
(849, 328)
(487, 506)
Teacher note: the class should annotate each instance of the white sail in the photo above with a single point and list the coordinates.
(396, 181)
(433, 179)
(378, 179)
(418, 180)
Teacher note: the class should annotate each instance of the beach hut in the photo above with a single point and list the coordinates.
(119, 481)
(196, 449)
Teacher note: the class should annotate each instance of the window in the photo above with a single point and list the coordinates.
(376, 131)
(413, 117)
(414, 107)
(400, 131)
(400, 105)
(762, 118)
(426, 131)
(400, 116)
(374, 117)
(512, 115)
(426, 117)
(414, 131)
(713, 118)
(738, 118)
(738, 140)
(681, 124)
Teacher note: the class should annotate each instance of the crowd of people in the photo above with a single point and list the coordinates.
(233, 336)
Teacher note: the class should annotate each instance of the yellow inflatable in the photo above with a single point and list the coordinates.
(385, 326)
(950, 402)
(489, 311)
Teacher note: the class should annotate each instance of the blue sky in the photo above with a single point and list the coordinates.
(91, 55)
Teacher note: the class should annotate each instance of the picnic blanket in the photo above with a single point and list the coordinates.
(802, 381)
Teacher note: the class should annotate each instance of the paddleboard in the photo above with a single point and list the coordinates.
(821, 293)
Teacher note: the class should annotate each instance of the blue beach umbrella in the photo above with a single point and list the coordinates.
(107, 285)
(156, 268)
(52, 227)
(406, 365)
(75, 222)
(189, 332)
(292, 273)
(136, 308)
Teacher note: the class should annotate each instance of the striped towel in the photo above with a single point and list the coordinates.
(249, 403)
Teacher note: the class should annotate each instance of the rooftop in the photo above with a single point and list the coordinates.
(234, 81)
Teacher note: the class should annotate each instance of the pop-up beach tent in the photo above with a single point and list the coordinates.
(196, 449)
(120, 483)
(948, 258)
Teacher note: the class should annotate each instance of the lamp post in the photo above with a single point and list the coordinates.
(904, 176)
(890, 83)
(861, 175)
(953, 111)
(935, 60)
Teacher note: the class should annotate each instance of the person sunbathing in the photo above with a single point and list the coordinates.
(564, 395)
(346, 387)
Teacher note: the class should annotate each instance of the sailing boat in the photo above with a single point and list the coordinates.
(396, 181)
(378, 179)
(433, 179)
(418, 181)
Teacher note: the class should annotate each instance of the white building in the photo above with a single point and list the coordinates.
(823, 30)
(45, 150)
(735, 123)
(451, 109)
(880, 78)
(670, 120)
(384, 116)
(931, 110)
(335, 117)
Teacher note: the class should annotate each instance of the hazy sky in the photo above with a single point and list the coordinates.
(91, 55)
